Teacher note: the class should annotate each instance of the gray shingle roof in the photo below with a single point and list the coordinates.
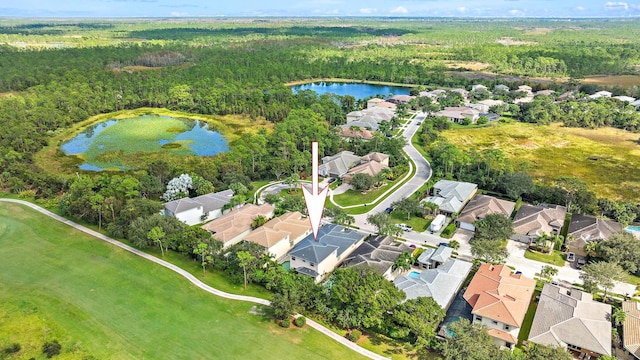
(450, 195)
(180, 205)
(339, 163)
(379, 253)
(208, 202)
(569, 316)
(331, 237)
(585, 228)
(441, 284)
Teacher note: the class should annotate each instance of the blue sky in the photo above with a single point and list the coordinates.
(192, 8)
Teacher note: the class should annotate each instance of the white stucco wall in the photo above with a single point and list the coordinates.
(514, 331)
(191, 216)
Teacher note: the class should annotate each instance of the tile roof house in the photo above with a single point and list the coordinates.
(482, 108)
(333, 245)
(481, 206)
(457, 114)
(349, 132)
(502, 87)
(628, 99)
(569, 318)
(231, 227)
(371, 164)
(451, 196)
(432, 258)
(373, 102)
(631, 327)
(545, 92)
(281, 234)
(478, 87)
(338, 164)
(583, 228)
(441, 283)
(400, 99)
(379, 253)
(491, 102)
(532, 221)
(196, 210)
(463, 92)
(636, 104)
(372, 115)
(499, 300)
(525, 88)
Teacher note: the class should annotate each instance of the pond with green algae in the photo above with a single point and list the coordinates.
(106, 145)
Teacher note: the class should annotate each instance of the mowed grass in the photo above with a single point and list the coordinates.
(606, 159)
(99, 300)
(613, 80)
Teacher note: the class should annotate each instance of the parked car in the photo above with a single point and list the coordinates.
(388, 210)
(443, 244)
(581, 263)
(331, 180)
(405, 227)
(571, 257)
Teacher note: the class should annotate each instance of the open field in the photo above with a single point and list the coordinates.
(612, 80)
(102, 301)
(606, 159)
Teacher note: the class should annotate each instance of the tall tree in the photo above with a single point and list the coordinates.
(489, 251)
(493, 227)
(408, 205)
(403, 262)
(156, 235)
(469, 342)
(420, 316)
(602, 274)
(379, 220)
(245, 258)
(204, 252)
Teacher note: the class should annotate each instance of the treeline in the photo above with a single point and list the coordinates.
(493, 171)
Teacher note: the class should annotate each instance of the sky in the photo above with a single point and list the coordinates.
(395, 8)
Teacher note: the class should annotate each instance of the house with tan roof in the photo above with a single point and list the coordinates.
(338, 164)
(231, 227)
(600, 94)
(627, 99)
(499, 299)
(371, 103)
(584, 228)
(525, 88)
(545, 92)
(400, 99)
(279, 235)
(371, 164)
(631, 327)
(199, 209)
(459, 113)
(532, 221)
(570, 319)
(349, 132)
(463, 92)
(481, 206)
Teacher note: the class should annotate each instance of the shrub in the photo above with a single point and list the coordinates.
(448, 231)
(12, 349)
(354, 335)
(51, 349)
(285, 323)
(300, 321)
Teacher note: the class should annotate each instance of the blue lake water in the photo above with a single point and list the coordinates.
(197, 139)
(357, 90)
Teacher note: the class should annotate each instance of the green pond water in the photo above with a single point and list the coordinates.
(106, 144)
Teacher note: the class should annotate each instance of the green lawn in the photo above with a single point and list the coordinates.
(556, 258)
(102, 301)
(418, 223)
(528, 319)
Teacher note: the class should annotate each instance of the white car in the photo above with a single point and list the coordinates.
(571, 257)
(405, 227)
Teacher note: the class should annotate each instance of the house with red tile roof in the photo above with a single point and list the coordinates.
(231, 227)
(281, 234)
(499, 300)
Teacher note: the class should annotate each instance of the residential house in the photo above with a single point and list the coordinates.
(371, 103)
(317, 258)
(379, 253)
(338, 164)
(434, 95)
(372, 116)
(569, 95)
(583, 228)
(481, 206)
(371, 168)
(441, 282)
(354, 132)
(279, 235)
(570, 319)
(233, 226)
(532, 221)
(482, 108)
(499, 300)
(502, 87)
(600, 94)
(636, 104)
(631, 327)
(451, 196)
(432, 258)
(490, 103)
(366, 122)
(377, 157)
(628, 99)
(545, 92)
(491, 116)
(457, 114)
(387, 105)
(477, 87)
(524, 100)
(463, 92)
(355, 115)
(197, 210)
(400, 99)
(525, 88)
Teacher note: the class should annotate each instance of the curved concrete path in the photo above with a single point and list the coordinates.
(192, 278)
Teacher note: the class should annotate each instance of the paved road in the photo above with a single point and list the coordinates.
(192, 278)
(423, 173)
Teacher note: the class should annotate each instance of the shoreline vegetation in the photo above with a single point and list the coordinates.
(349, 81)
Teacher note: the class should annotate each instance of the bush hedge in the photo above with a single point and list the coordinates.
(300, 321)
(285, 323)
(354, 335)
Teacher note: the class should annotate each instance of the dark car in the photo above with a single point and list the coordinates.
(388, 210)
(331, 180)
(443, 244)
(581, 263)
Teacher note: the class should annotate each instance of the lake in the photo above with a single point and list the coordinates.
(109, 144)
(357, 90)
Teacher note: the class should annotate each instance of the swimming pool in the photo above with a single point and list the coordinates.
(635, 230)
(447, 328)
(414, 274)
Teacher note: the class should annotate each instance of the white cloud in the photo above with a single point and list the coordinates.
(462, 9)
(179, 14)
(612, 5)
(400, 10)
(515, 12)
(368, 10)
(581, 8)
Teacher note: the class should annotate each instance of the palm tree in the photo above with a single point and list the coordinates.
(591, 248)
(618, 317)
(258, 221)
(403, 263)
(548, 272)
(245, 258)
(454, 244)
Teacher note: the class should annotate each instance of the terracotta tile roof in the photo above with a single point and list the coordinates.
(497, 294)
(631, 327)
(289, 227)
(362, 133)
(502, 335)
(237, 221)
